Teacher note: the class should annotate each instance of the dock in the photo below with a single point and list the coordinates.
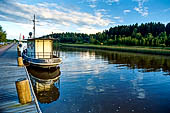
(9, 74)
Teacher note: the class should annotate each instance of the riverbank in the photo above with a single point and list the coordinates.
(135, 49)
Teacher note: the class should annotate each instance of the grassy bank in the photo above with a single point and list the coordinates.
(135, 49)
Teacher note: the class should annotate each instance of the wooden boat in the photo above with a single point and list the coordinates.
(40, 53)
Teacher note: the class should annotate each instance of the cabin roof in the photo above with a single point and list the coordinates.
(40, 38)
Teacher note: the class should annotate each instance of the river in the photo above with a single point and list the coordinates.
(98, 81)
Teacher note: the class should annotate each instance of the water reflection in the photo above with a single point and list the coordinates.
(99, 81)
(44, 73)
(46, 83)
(145, 62)
(46, 92)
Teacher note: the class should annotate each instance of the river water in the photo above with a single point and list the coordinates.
(98, 81)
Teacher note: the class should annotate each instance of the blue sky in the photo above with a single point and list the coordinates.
(85, 16)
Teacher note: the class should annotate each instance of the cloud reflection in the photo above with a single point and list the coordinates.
(140, 92)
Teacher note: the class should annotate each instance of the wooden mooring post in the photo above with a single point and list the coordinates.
(19, 51)
(23, 90)
(20, 61)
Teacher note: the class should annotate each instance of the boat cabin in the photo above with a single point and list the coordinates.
(40, 48)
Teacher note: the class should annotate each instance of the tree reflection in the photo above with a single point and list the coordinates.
(145, 62)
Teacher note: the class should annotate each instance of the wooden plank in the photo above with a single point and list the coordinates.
(20, 108)
(10, 73)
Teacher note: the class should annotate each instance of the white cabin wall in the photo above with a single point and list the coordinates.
(43, 48)
(39, 48)
(47, 48)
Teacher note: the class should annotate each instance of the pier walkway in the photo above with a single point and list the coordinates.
(9, 73)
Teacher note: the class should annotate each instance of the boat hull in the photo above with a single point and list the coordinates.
(43, 63)
(44, 73)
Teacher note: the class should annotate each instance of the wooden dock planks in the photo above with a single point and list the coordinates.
(9, 73)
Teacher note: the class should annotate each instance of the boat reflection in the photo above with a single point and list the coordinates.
(46, 83)
(47, 93)
(44, 73)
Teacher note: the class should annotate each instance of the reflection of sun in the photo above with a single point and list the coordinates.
(87, 55)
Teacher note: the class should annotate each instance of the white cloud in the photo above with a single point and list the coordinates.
(126, 11)
(115, 0)
(57, 16)
(119, 19)
(92, 5)
(102, 13)
(91, 0)
(116, 17)
(110, 2)
(141, 9)
(88, 30)
(102, 10)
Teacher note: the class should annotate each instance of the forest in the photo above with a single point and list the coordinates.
(2, 35)
(145, 34)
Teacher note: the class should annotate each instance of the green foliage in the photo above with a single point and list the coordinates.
(2, 35)
(138, 36)
(110, 42)
(148, 34)
(92, 41)
(168, 29)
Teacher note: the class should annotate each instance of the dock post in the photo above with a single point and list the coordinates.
(18, 51)
(20, 61)
(23, 90)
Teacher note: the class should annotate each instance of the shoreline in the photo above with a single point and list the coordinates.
(133, 49)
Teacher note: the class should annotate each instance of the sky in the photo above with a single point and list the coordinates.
(81, 16)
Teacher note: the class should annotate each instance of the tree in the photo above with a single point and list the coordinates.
(2, 35)
(110, 42)
(146, 34)
(138, 36)
(134, 33)
(168, 29)
(168, 41)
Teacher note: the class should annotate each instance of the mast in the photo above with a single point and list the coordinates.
(20, 37)
(34, 26)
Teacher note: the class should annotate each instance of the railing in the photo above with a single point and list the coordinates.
(43, 55)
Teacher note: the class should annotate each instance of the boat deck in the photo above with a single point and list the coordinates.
(10, 73)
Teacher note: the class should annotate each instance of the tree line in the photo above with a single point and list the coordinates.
(2, 35)
(148, 34)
